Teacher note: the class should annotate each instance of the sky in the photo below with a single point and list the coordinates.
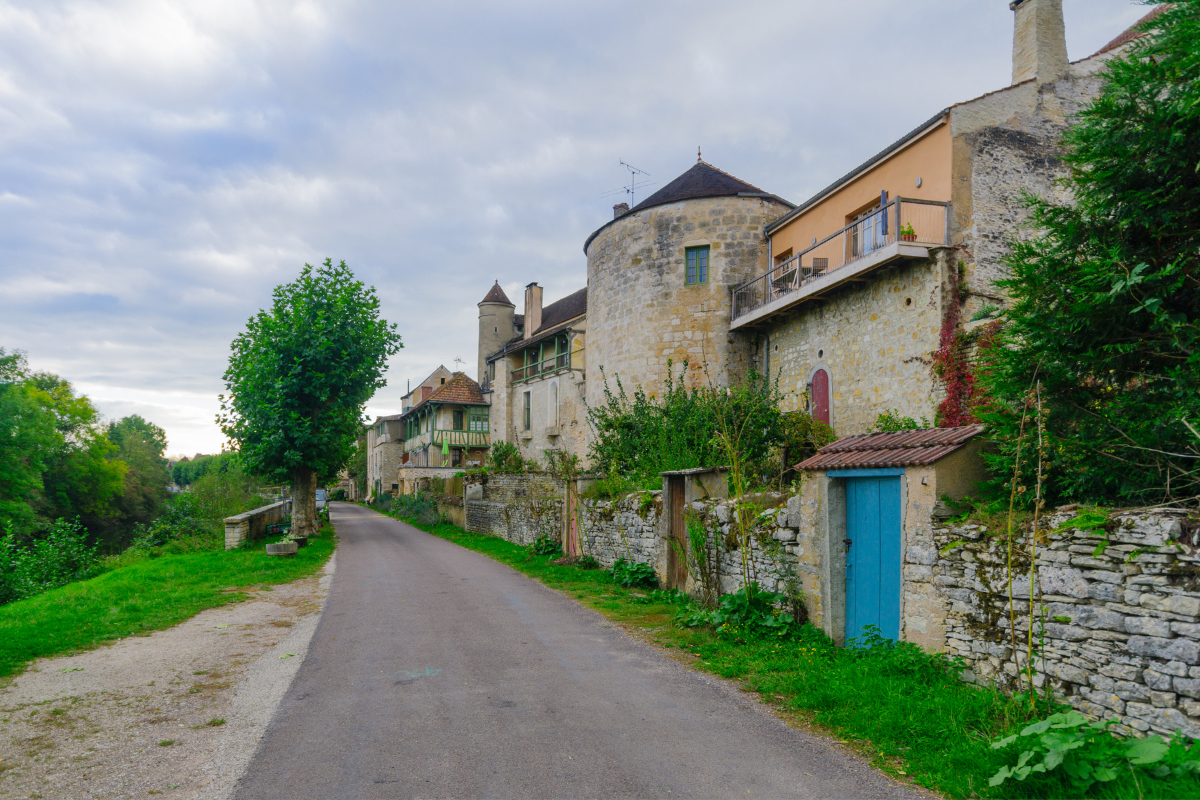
(163, 166)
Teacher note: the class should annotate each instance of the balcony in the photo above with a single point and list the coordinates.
(844, 257)
(460, 438)
(548, 366)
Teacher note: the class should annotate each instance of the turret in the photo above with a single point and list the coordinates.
(497, 325)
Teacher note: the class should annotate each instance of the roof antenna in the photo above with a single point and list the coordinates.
(698, 158)
(631, 189)
(458, 360)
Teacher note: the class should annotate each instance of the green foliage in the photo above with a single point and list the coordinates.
(633, 574)
(357, 468)
(300, 375)
(1086, 753)
(987, 311)
(185, 473)
(60, 556)
(641, 435)
(545, 546)
(506, 457)
(142, 595)
(611, 487)
(338, 495)
(891, 421)
(748, 613)
(417, 506)
(1104, 301)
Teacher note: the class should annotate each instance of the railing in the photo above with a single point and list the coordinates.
(460, 438)
(927, 220)
(544, 367)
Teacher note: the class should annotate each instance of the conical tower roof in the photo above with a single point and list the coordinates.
(496, 295)
(702, 180)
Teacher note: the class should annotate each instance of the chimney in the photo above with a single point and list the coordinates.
(425, 392)
(620, 210)
(533, 308)
(1039, 41)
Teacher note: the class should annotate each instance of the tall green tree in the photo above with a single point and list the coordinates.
(1105, 301)
(27, 438)
(140, 445)
(299, 378)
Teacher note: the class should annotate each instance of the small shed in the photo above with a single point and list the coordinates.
(680, 488)
(866, 503)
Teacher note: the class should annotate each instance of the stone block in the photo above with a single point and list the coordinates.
(1148, 626)
(1188, 687)
(1128, 690)
(785, 534)
(1157, 680)
(793, 509)
(1174, 649)
(1099, 617)
(1071, 633)
(1168, 719)
(1124, 672)
(1176, 668)
(1104, 575)
(921, 554)
(1132, 597)
(1069, 581)
(1162, 699)
(1190, 707)
(1105, 591)
(1102, 683)
(1183, 604)
(1067, 673)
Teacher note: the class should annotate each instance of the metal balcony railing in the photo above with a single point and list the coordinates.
(922, 222)
(544, 367)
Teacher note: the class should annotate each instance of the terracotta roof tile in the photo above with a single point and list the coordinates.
(459, 389)
(899, 449)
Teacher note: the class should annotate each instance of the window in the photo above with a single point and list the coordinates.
(528, 407)
(697, 265)
(456, 457)
(443, 380)
(479, 420)
(491, 370)
(458, 419)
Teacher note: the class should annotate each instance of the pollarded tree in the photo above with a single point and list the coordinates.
(299, 377)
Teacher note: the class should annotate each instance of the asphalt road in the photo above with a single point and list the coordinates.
(437, 672)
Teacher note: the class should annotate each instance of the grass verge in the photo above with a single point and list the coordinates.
(143, 596)
(908, 721)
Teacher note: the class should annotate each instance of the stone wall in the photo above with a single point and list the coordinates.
(874, 339)
(517, 507)
(253, 524)
(1119, 609)
(626, 528)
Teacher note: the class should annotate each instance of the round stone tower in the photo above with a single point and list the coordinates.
(497, 325)
(660, 277)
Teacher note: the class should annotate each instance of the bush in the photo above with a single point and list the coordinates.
(640, 436)
(890, 421)
(545, 546)
(339, 495)
(748, 613)
(506, 457)
(59, 557)
(632, 574)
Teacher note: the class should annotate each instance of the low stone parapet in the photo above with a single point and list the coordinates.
(253, 524)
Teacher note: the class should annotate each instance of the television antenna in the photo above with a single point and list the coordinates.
(633, 186)
(458, 361)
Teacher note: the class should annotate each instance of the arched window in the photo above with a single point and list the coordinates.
(820, 396)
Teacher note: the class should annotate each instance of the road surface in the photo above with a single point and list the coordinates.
(437, 672)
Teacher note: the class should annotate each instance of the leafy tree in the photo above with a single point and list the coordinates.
(188, 472)
(140, 445)
(1105, 300)
(358, 466)
(27, 437)
(299, 377)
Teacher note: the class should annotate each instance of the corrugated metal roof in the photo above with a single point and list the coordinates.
(900, 449)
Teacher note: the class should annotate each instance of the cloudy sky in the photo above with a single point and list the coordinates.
(163, 165)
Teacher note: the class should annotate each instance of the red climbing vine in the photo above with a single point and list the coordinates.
(951, 362)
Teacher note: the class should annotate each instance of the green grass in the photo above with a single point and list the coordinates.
(143, 596)
(912, 723)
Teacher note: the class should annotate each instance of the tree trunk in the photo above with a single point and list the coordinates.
(304, 502)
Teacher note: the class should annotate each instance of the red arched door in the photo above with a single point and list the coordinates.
(820, 396)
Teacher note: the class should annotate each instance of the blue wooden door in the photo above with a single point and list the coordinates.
(873, 560)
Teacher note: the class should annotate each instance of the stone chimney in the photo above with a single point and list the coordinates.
(1039, 41)
(533, 309)
(425, 392)
(620, 210)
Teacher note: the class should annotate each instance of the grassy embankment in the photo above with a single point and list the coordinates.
(934, 731)
(143, 595)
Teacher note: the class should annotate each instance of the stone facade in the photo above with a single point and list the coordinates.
(874, 340)
(518, 507)
(385, 454)
(1119, 608)
(641, 313)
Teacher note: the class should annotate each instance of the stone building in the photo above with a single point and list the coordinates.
(448, 429)
(385, 454)
(868, 276)
(659, 280)
(534, 375)
(425, 388)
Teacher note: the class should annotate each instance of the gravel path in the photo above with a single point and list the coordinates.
(437, 672)
(133, 719)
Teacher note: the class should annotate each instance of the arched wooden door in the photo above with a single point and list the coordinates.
(820, 396)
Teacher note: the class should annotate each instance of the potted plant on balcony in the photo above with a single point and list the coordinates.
(907, 234)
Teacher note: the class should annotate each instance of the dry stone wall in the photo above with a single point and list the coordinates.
(1116, 614)
(518, 507)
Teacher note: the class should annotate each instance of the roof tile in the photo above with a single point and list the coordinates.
(899, 449)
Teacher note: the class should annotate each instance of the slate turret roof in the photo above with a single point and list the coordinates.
(496, 295)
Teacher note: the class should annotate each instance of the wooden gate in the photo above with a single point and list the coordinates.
(677, 539)
(571, 539)
(873, 555)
